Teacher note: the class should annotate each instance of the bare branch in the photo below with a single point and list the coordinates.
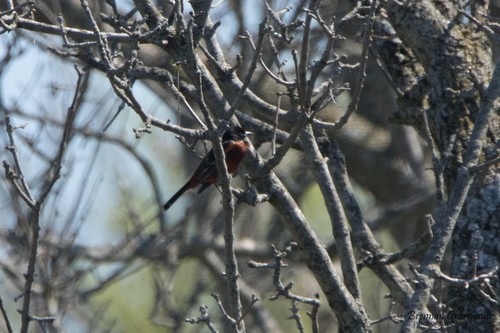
(204, 318)
(285, 291)
(5, 317)
(54, 174)
(449, 213)
(23, 188)
(335, 210)
(367, 40)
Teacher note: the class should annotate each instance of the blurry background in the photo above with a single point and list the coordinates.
(104, 264)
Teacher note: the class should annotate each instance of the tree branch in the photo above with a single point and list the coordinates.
(319, 168)
(447, 216)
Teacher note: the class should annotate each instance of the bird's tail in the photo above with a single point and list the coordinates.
(176, 196)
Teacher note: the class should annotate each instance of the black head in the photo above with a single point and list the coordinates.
(235, 133)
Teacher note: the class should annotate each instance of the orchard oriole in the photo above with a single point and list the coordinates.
(235, 148)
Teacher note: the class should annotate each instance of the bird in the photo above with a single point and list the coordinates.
(235, 148)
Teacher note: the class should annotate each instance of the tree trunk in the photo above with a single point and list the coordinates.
(447, 66)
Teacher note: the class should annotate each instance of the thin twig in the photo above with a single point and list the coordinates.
(255, 299)
(12, 176)
(285, 291)
(53, 29)
(281, 289)
(55, 172)
(281, 151)
(226, 315)
(437, 164)
(278, 80)
(319, 65)
(380, 258)
(367, 41)
(24, 189)
(296, 317)
(465, 283)
(303, 63)
(275, 125)
(203, 318)
(68, 127)
(484, 166)
(5, 317)
(253, 66)
(314, 315)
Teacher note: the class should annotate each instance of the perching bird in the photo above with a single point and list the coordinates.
(235, 148)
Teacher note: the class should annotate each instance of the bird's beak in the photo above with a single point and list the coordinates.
(248, 133)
